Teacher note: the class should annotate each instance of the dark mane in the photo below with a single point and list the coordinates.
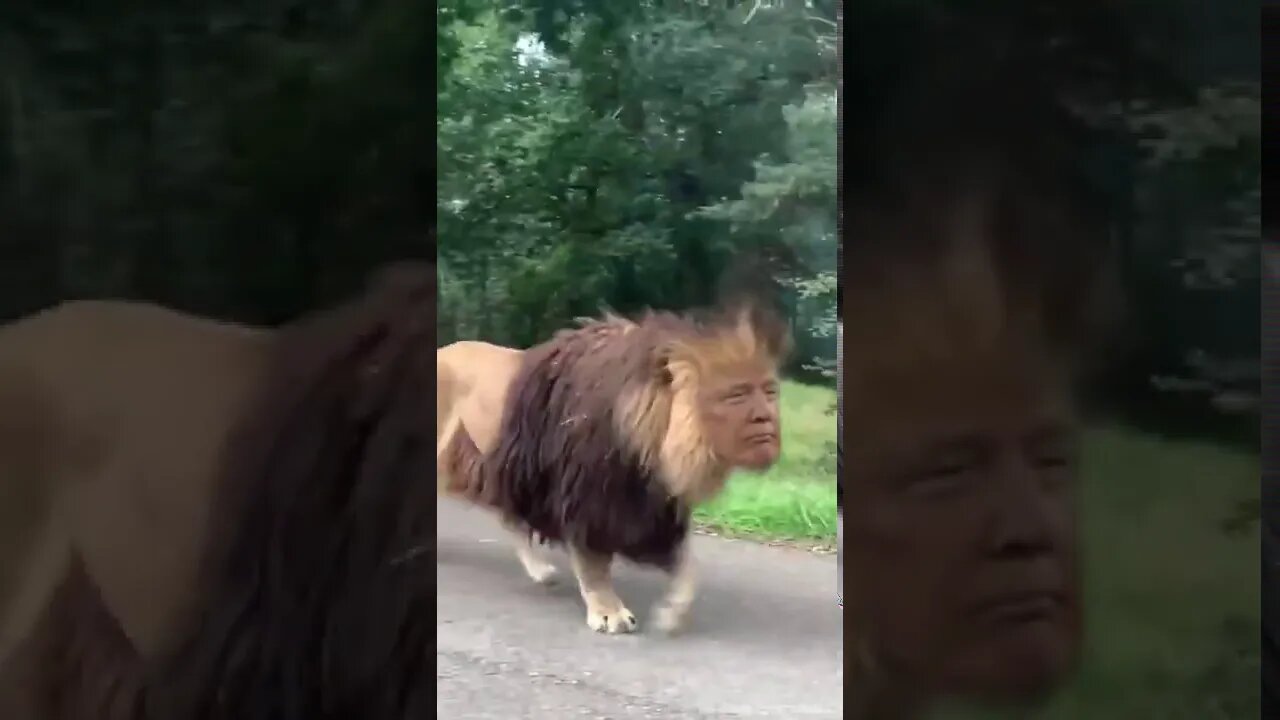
(559, 468)
(319, 588)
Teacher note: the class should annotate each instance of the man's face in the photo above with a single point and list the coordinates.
(961, 540)
(740, 414)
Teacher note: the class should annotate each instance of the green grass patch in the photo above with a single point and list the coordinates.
(796, 498)
(1172, 583)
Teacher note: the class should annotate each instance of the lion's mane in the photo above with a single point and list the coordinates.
(600, 444)
(319, 590)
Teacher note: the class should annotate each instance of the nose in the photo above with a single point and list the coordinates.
(1023, 520)
(762, 409)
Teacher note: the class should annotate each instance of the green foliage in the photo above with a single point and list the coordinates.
(590, 156)
(790, 198)
(250, 161)
(1199, 198)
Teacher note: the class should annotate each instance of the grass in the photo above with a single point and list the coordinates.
(1172, 583)
(1172, 576)
(796, 498)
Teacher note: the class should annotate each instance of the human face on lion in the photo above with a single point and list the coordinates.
(740, 413)
(962, 546)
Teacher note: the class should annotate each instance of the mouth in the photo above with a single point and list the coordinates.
(1022, 607)
(767, 438)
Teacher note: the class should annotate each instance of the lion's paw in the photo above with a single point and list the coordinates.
(543, 573)
(537, 567)
(669, 618)
(613, 621)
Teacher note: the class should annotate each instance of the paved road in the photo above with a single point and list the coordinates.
(764, 639)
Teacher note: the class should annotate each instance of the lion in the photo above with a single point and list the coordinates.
(614, 431)
(209, 521)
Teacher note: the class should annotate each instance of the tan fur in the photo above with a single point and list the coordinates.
(112, 416)
(472, 379)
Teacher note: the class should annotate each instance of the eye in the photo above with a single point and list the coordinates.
(947, 473)
(1052, 461)
(1057, 454)
(945, 476)
(1056, 469)
(943, 479)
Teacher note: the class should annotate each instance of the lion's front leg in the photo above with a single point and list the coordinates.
(673, 609)
(605, 611)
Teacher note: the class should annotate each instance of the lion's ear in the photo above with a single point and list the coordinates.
(662, 363)
(665, 376)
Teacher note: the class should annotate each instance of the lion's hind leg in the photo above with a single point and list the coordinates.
(535, 564)
(76, 662)
(539, 569)
(673, 609)
(605, 611)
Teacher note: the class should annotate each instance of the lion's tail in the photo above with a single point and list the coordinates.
(460, 464)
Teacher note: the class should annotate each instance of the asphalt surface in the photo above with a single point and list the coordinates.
(763, 640)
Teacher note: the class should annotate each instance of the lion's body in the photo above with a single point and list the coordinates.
(177, 536)
(111, 419)
(112, 416)
(564, 465)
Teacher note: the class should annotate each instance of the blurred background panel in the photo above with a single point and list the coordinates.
(247, 161)
(1166, 135)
